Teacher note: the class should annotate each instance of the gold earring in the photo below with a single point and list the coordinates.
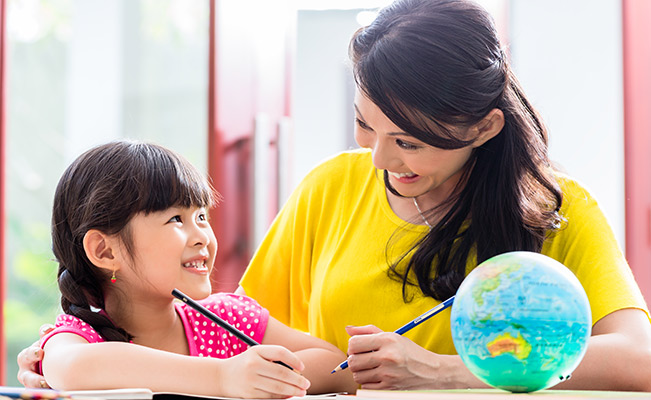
(113, 278)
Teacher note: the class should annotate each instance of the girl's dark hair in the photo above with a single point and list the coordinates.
(103, 189)
(431, 64)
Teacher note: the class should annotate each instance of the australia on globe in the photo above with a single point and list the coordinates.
(521, 322)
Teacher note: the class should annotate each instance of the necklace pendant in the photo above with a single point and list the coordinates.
(421, 213)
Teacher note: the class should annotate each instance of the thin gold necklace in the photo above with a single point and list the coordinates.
(421, 213)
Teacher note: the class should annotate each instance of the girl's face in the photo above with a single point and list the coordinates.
(415, 168)
(174, 248)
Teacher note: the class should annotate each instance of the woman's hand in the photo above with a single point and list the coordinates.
(386, 360)
(253, 374)
(28, 359)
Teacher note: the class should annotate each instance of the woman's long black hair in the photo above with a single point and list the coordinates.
(103, 189)
(430, 64)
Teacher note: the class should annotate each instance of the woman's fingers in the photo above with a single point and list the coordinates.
(353, 330)
(27, 361)
(45, 329)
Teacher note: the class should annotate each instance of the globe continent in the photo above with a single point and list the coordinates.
(521, 322)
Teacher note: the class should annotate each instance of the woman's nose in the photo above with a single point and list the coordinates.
(382, 157)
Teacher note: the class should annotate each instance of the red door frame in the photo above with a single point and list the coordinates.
(3, 124)
(241, 95)
(636, 15)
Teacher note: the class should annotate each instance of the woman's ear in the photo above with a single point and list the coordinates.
(101, 249)
(489, 127)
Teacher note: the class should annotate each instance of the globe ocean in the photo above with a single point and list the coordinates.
(521, 322)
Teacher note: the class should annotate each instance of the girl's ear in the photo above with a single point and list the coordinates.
(488, 127)
(101, 249)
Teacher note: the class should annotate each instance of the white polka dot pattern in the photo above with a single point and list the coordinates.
(205, 338)
(241, 312)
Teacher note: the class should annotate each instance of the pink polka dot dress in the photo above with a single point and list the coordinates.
(205, 338)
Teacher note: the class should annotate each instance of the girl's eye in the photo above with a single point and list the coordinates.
(176, 218)
(362, 124)
(405, 145)
(202, 217)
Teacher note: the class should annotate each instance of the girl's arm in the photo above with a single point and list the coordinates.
(71, 363)
(318, 356)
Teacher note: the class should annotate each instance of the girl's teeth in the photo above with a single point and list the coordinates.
(194, 264)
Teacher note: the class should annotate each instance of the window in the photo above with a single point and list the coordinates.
(82, 73)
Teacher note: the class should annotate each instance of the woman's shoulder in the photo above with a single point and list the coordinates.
(350, 162)
(575, 194)
(337, 172)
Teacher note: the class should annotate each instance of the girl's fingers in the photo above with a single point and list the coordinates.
(281, 354)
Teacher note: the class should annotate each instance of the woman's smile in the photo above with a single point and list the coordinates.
(404, 177)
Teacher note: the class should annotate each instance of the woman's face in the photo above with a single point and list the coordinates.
(415, 168)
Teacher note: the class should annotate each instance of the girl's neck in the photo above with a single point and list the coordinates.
(156, 326)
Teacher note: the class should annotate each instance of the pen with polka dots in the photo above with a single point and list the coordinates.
(216, 319)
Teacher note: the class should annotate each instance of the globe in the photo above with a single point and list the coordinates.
(521, 322)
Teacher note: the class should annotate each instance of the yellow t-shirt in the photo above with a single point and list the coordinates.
(323, 264)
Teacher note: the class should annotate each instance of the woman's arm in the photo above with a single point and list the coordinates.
(618, 355)
(71, 363)
(618, 358)
(318, 356)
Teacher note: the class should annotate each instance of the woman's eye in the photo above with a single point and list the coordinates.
(176, 218)
(405, 145)
(362, 124)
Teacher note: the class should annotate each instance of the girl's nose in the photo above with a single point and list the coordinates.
(199, 236)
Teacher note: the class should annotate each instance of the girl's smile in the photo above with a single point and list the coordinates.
(173, 248)
(197, 266)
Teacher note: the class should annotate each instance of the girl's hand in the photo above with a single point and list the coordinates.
(386, 360)
(27, 361)
(253, 374)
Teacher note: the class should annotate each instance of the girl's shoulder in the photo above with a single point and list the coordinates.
(229, 301)
(242, 312)
(71, 324)
(228, 306)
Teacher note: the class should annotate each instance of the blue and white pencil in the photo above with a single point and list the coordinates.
(410, 325)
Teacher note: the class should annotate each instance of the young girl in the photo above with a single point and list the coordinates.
(129, 224)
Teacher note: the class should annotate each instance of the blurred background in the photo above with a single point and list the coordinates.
(257, 92)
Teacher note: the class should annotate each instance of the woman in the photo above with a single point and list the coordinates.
(455, 170)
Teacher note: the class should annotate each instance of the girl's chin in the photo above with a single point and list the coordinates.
(197, 292)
